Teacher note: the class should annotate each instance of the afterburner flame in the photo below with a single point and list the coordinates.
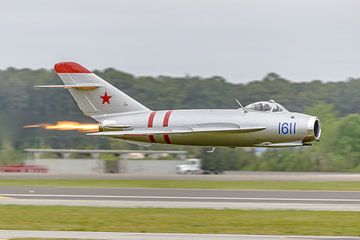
(67, 126)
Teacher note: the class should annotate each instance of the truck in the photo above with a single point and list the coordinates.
(191, 166)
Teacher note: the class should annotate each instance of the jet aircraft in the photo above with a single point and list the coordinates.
(259, 124)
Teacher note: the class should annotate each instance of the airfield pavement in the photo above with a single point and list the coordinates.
(4, 234)
(181, 198)
(228, 176)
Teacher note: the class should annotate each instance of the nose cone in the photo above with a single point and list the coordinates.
(313, 132)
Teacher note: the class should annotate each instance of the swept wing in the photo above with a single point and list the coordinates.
(183, 130)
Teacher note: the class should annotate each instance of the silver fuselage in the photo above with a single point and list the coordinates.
(280, 127)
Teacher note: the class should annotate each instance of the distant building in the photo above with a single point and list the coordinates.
(76, 161)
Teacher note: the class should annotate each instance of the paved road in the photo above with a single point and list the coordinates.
(155, 236)
(181, 198)
(228, 176)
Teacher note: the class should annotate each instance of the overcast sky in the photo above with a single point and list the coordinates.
(240, 40)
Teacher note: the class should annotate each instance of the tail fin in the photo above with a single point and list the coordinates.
(93, 95)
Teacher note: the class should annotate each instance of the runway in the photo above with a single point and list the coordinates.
(4, 234)
(181, 198)
(228, 176)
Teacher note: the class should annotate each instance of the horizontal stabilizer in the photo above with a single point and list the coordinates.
(80, 86)
(179, 130)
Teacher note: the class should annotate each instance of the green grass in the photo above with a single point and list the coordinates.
(179, 220)
(266, 185)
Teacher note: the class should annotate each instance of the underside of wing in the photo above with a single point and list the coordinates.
(228, 129)
(130, 132)
(190, 129)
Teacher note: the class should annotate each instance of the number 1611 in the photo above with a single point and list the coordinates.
(285, 128)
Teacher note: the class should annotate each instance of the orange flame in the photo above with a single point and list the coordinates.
(67, 126)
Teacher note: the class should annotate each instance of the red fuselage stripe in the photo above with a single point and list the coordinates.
(167, 139)
(166, 124)
(151, 119)
(152, 138)
(166, 119)
(150, 125)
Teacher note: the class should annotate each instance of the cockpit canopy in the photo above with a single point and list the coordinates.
(266, 106)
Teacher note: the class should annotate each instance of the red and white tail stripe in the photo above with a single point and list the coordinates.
(95, 96)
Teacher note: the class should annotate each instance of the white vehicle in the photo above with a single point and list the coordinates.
(192, 165)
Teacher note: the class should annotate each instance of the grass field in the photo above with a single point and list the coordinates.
(266, 185)
(179, 220)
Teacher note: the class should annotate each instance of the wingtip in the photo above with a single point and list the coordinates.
(70, 67)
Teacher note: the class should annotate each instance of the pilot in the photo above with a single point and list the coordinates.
(266, 107)
(258, 107)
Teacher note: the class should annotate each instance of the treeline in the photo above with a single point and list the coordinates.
(336, 103)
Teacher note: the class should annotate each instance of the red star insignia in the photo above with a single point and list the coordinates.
(106, 98)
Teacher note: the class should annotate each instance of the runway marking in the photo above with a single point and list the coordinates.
(158, 236)
(5, 195)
